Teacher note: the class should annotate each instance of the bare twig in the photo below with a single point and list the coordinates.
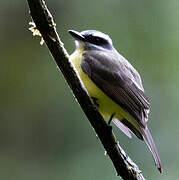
(124, 166)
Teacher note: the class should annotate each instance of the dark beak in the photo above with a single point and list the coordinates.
(76, 35)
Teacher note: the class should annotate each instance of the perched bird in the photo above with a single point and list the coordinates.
(113, 84)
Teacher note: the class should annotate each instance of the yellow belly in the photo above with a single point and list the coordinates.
(107, 106)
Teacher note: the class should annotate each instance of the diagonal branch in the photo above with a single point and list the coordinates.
(123, 165)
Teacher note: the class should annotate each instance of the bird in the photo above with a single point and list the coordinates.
(114, 85)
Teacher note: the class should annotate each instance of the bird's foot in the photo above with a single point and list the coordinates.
(110, 119)
(95, 101)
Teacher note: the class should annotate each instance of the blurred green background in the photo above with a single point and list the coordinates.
(43, 132)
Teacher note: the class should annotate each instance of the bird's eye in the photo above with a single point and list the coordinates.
(96, 40)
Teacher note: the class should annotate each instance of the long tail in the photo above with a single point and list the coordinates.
(151, 145)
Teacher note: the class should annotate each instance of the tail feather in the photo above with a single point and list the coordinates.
(151, 145)
(122, 127)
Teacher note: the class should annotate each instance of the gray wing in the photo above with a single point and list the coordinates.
(121, 82)
(114, 76)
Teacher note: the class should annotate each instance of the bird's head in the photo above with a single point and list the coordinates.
(91, 40)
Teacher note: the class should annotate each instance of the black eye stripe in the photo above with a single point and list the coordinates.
(96, 40)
